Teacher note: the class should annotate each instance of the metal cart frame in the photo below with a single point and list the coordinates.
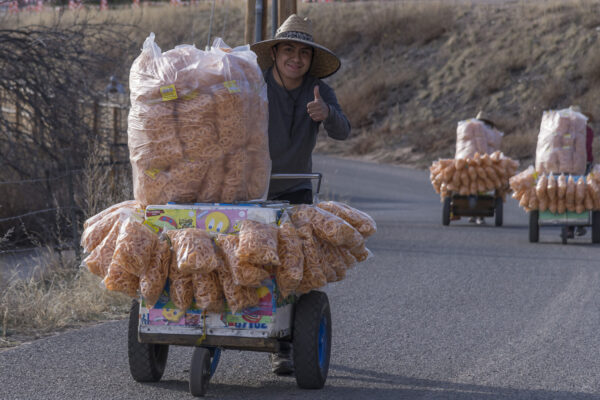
(480, 205)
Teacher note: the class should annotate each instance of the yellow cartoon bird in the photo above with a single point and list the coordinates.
(217, 222)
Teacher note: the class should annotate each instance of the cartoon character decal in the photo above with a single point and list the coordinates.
(217, 222)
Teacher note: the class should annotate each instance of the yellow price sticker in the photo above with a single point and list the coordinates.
(168, 92)
(152, 172)
(232, 86)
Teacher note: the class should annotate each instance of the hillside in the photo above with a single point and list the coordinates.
(412, 71)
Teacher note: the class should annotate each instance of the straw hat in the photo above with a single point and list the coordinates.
(297, 29)
(482, 116)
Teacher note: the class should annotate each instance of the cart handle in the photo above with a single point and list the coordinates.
(316, 175)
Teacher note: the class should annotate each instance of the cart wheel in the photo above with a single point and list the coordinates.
(147, 361)
(446, 211)
(564, 234)
(312, 340)
(534, 226)
(595, 226)
(499, 211)
(200, 371)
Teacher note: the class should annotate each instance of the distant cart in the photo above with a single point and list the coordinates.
(564, 220)
(304, 321)
(481, 205)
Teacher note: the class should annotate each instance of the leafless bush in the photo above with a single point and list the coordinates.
(51, 75)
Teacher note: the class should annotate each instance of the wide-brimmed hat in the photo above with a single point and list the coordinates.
(483, 116)
(297, 29)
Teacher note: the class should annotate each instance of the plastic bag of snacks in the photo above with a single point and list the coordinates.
(194, 251)
(475, 136)
(152, 281)
(197, 126)
(561, 144)
(208, 292)
(238, 297)
(327, 226)
(258, 243)
(289, 273)
(361, 221)
(135, 245)
(244, 273)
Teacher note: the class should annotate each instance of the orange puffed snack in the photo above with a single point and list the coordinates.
(312, 273)
(244, 273)
(238, 297)
(334, 265)
(194, 251)
(99, 259)
(361, 253)
(95, 233)
(328, 227)
(208, 292)
(182, 292)
(119, 280)
(361, 221)
(152, 281)
(181, 288)
(135, 245)
(128, 204)
(289, 273)
(258, 243)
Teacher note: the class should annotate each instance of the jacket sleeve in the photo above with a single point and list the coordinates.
(336, 125)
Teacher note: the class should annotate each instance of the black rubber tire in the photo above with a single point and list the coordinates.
(534, 226)
(147, 361)
(311, 310)
(499, 211)
(200, 371)
(446, 211)
(595, 226)
(563, 234)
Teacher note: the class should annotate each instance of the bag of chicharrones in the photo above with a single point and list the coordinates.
(561, 142)
(189, 135)
(474, 136)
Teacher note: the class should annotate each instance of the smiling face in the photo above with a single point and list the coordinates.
(292, 60)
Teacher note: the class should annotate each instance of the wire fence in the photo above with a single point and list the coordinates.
(109, 126)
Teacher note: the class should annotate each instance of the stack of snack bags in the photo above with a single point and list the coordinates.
(472, 175)
(557, 183)
(561, 143)
(557, 193)
(478, 165)
(197, 126)
(474, 136)
(311, 246)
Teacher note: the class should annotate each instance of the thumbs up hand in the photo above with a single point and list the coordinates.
(317, 109)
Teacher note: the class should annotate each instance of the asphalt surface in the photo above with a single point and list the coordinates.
(459, 312)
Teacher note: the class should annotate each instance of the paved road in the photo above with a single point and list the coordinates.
(459, 312)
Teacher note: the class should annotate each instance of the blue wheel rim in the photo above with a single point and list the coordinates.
(215, 361)
(322, 341)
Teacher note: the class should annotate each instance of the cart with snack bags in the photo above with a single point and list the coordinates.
(558, 192)
(304, 320)
(209, 262)
(474, 183)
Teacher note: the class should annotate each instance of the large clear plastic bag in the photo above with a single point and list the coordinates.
(475, 136)
(198, 125)
(561, 142)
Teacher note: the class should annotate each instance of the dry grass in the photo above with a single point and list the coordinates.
(59, 295)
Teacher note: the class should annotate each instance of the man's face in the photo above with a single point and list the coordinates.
(292, 59)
